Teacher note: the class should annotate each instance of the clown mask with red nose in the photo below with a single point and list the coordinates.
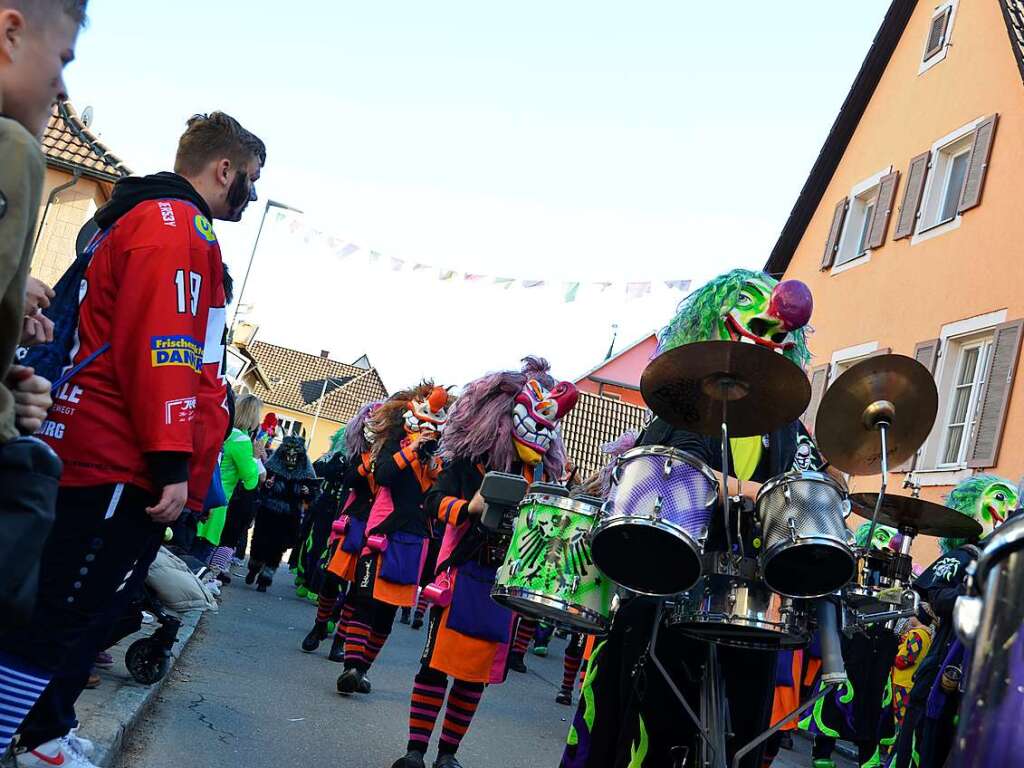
(428, 414)
(535, 417)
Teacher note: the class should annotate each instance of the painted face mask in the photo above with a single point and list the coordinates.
(428, 415)
(535, 417)
(883, 538)
(765, 314)
(985, 498)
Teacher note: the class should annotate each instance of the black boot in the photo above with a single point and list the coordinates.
(413, 759)
(364, 685)
(316, 636)
(250, 577)
(349, 680)
(516, 663)
(417, 620)
(447, 761)
(404, 618)
(337, 649)
(564, 697)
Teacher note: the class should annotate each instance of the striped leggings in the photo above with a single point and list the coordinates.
(428, 696)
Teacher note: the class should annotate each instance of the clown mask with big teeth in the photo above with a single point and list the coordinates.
(535, 417)
(427, 415)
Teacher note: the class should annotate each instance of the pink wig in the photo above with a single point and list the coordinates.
(480, 423)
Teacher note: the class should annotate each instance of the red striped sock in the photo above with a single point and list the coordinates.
(463, 700)
(355, 645)
(570, 668)
(346, 617)
(427, 698)
(324, 608)
(373, 646)
(524, 634)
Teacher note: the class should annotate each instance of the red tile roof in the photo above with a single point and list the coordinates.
(70, 145)
(594, 421)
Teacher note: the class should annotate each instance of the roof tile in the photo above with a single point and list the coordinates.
(69, 142)
(594, 421)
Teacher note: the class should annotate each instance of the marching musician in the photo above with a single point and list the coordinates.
(628, 714)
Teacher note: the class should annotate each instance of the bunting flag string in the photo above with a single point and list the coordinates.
(290, 225)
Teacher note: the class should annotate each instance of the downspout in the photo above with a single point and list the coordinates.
(50, 200)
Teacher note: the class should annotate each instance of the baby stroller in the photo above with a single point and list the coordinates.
(148, 658)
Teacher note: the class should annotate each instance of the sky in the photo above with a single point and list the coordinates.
(573, 141)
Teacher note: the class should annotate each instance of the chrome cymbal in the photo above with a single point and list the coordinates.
(925, 517)
(894, 389)
(687, 386)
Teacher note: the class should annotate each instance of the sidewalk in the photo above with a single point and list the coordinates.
(106, 714)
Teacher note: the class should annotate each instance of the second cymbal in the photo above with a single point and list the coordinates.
(891, 388)
(687, 385)
(925, 517)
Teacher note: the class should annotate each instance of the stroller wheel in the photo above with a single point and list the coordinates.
(147, 661)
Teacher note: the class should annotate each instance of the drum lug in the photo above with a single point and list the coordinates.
(792, 528)
(786, 493)
(530, 517)
(667, 470)
(657, 507)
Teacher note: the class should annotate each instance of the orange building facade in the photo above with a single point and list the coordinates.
(618, 377)
(909, 232)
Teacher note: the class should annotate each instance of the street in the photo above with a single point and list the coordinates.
(244, 694)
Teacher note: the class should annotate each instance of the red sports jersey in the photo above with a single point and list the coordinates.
(155, 291)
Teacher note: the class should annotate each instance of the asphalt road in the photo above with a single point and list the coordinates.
(244, 694)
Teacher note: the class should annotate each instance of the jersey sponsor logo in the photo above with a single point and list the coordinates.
(180, 411)
(204, 228)
(53, 429)
(167, 214)
(172, 351)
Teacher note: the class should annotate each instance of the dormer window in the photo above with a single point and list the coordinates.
(937, 41)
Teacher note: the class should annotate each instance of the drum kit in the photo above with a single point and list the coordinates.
(761, 576)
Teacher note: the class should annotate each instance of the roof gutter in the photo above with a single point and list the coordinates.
(50, 200)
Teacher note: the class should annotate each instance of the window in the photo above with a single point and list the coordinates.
(954, 183)
(857, 228)
(949, 169)
(937, 37)
(971, 367)
(288, 426)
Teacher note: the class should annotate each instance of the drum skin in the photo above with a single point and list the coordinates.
(657, 514)
(806, 552)
(548, 571)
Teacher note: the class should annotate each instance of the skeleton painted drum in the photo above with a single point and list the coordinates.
(806, 552)
(652, 527)
(548, 571)
(731, 606)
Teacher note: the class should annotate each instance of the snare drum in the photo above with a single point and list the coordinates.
(732, 606)
(806, 551)
(548, 571)
(652, 527)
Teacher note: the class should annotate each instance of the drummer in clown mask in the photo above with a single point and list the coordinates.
(405, 430)
(621, 722)
(505, 422)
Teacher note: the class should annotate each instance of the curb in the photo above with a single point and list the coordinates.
(131, 702)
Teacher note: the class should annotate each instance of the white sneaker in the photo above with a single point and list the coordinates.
(51, 755)
(79, 744)
(148, 618)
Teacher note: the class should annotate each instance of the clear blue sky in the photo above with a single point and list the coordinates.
(562, 141)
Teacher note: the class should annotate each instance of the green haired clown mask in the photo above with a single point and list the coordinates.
(985, 498)
(748, 307)
(883, 537)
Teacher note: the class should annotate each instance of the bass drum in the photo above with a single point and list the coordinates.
(548, 571)
(731, 606)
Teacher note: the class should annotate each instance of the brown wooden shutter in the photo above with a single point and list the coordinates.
(819, 380)
(994, 401)
(917, 173)
(937, 33)
(883, 209)
(977, 166)
(927, 354)
(838, 217)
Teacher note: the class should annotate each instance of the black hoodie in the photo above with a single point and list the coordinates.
(133, 190)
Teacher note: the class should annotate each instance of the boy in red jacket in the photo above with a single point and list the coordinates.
(139, 428)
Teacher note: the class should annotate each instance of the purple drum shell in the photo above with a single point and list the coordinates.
(649, 554)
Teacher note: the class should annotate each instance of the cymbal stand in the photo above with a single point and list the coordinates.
(653, 656)
(879, 415)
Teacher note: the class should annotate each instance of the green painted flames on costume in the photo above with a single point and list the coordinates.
(730, 307)
(638, 752)
(587, 692)
(986, 498)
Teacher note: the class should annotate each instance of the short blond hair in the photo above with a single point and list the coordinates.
(247, 413)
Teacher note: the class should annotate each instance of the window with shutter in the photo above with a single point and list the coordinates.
(879, 220)
(927, 354)
(917, 174)
(937, 33)
(977, 166)
(819, 379)
(834, 231)
(995, 397)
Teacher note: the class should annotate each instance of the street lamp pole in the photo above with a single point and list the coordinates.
(319, 408)
(252, 256)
